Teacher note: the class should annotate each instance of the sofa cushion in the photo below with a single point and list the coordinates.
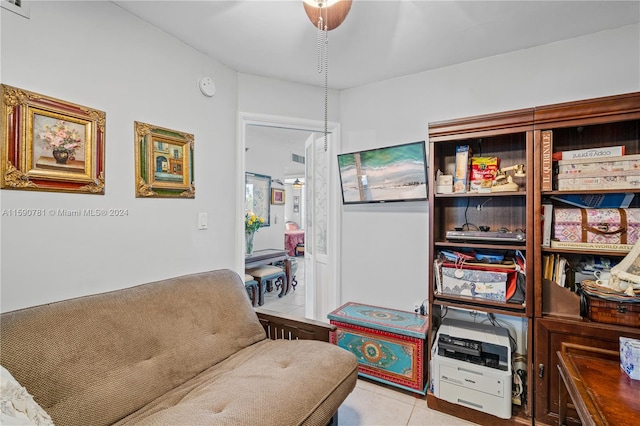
(17, 406)
(95, 359)
(274, 382)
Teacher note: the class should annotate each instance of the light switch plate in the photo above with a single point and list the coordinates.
(202, 221)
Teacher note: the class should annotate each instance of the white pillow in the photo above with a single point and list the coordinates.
(17, 406)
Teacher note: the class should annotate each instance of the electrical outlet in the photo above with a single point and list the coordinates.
(416, 307)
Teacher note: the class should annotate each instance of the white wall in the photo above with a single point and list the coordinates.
(384, 248)
(261, 95)
(297, 217)
(112, 61)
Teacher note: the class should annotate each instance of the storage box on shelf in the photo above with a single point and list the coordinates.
(507, 137)
(604, 225)
(620, 172)
(589, 125)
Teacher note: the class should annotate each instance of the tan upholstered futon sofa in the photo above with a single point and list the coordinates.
(184, 351)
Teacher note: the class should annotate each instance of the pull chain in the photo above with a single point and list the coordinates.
(326, 86)
(320, 40)
(323, 65)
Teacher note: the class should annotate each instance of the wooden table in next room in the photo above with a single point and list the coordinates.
(270, 256)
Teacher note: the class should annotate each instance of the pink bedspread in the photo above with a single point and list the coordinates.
(292, 239)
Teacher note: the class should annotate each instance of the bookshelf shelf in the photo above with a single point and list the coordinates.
(508, 136)
(589, 124)
(483, 194)
(481, 306)
(487, 246)
(604, 253)
(592, 191)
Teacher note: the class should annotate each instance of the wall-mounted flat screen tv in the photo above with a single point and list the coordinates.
(394, 173)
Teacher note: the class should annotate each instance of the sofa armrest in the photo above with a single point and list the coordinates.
(283, 326)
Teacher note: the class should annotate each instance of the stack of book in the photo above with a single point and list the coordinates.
(605, 167)
(556, 268)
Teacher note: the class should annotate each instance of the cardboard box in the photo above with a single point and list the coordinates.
(630, 357)
(596, 225)
(462, 169)
(579, 182)
(596, 166)
(483, 173)
(620, 172)
(475, 283)
(444, 184)
(591, 153)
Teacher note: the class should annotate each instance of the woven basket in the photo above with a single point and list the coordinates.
(604, 305)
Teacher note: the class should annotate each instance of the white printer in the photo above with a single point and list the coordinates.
(471, 366)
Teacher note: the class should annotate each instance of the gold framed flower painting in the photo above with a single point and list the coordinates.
(164, 162)
(50, 144)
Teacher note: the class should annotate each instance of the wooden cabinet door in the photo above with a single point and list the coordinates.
(550, 333)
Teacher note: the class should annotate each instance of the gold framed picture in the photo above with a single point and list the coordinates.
(277, 196)
(164, 162)
(50, 145)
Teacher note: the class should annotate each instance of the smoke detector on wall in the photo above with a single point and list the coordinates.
(207, 87)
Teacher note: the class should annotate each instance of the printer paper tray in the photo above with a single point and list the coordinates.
(495, 405)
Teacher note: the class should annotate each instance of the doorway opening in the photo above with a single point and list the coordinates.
(321, 274)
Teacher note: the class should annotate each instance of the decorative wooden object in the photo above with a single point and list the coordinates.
(389, 344)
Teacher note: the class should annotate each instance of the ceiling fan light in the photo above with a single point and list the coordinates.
(321, 3)
(335, 10)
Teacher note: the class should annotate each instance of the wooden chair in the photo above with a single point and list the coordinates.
(251, 286)
(265, 274)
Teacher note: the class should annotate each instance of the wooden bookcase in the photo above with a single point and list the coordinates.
(552, 313)
(508, 136)
(601, 122)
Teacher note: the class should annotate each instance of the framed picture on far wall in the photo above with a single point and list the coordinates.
(50, 145)
(164, 162)
(277, 196)
(257, 195)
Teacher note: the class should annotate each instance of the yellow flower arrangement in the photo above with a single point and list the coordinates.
(252, 222)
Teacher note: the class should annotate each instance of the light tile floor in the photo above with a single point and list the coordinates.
(371, 403)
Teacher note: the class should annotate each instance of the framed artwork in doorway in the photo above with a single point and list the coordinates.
(257, 195)
(277, 196)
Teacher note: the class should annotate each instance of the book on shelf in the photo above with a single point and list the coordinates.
(577, 154)
(557, 269)
(437, 271)
(623, 248)
(547, 224)
(561, 271)
(546, 271)
(547, 160)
